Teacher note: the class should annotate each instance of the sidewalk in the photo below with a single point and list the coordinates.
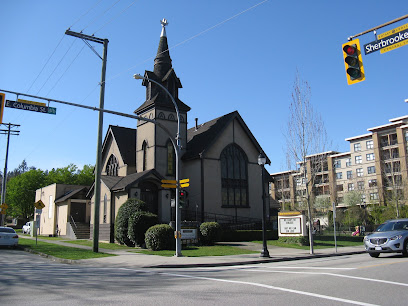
(128, 259)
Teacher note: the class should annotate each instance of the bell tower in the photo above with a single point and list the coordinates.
(153, 146)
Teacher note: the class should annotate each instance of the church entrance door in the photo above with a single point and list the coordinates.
(149, 195)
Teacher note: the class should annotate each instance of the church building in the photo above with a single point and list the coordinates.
(219, 157)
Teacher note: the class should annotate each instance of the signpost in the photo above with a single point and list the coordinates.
(31, 107)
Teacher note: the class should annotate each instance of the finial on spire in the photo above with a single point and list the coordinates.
(163, 22)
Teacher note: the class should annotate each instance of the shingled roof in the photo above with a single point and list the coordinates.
(126, 141)
(200, 140)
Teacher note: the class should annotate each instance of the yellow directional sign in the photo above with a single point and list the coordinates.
(39, 204)
(169, 181)
(31, 102)
(184, 181)
(184, 185)
(4, 206)
(169, 185)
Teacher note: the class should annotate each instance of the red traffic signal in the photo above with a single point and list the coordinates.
(353, 62)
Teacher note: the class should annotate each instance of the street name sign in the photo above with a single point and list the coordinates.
(31, 107)
(388, 41)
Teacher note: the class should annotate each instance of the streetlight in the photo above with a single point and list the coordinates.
(177, 150)
(262, 162)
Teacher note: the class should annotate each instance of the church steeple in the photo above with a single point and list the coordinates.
(162, 62)
(163, 73)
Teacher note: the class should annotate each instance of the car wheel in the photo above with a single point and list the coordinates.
(375, 255)
(405, 249)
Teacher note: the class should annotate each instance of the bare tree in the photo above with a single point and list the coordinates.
(306, 144)
(393, 184)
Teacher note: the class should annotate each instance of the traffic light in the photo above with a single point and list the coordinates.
(2, 101)
(353, 61)
(182, 198)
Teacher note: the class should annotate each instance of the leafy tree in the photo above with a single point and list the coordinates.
(20, 193)
(86, 175)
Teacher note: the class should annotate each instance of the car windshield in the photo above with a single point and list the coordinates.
(393, 226)
(6, 230)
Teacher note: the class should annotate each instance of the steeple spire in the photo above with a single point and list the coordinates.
(162, 62)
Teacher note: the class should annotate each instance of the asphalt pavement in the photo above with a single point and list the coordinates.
(129, 259)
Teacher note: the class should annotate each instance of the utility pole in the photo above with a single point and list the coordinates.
(9, 132)
(97, 185)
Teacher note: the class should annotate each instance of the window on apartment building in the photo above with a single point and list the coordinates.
(339, 187)
(350, 174)
(393, 139)
(348, 162)
(298, 181)
(396, 166)
(360, 185)
(357, 147)
(394, 153)
(370, 156)
(372, 183)
(371, 169)
(337, 164)
(363, 198)
(340, 199)
(359, 159)
(374, 196)
(350, 187)
(339, 175)
(369, 144)
(359, 172)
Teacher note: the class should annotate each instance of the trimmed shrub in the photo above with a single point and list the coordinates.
(122, 219)
(139, 223)
(301, 240)
(210, 233)
(160, 237)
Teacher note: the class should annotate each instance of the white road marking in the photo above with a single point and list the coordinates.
(332, 298)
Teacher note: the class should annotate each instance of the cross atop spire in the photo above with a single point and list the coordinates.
(163, 22)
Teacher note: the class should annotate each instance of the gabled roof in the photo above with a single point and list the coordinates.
(116, 183)
(126, 140)
(201, 139)
(71, 193)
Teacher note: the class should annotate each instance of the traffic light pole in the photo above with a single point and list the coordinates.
(378, 27)
(4, 183)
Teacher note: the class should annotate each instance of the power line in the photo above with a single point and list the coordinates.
(85, 13)
(192, 37)
(115, 17)
(99, 16)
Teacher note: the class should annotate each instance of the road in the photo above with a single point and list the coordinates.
(358, 279)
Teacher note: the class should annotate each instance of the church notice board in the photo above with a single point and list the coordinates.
(291, 224)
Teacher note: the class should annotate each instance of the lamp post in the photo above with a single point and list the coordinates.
(177, 153)
(262, 162)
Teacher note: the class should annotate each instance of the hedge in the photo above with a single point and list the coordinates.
(210, 232)
(160, 237)
(122, 219)
(139, 223)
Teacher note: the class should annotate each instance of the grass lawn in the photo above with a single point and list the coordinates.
(59, 251)
(198, 251)
(321, 242)
(102, 245)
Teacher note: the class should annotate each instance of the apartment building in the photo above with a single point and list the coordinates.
(375, 167)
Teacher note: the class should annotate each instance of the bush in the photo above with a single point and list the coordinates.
(160, 237)
(122, 219)
(210, 233)
(139, 223)
(300, 240)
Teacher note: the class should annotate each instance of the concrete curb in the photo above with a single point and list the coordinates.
(252, 262)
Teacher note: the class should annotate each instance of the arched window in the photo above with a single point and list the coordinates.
(161, 115)
(171, 158)
(112, 166)
(234, 177)
(171, 117)
(144, 150)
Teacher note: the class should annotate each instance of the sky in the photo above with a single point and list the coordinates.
(229, 55)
